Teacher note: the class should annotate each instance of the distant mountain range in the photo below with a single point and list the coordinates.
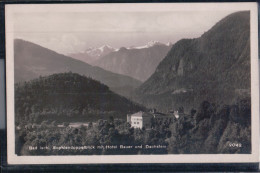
(92, 54)
(32, 61)
(149, 44)
(69, 97)
(137, 62)
(214, 67)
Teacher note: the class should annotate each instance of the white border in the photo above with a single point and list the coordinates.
(170, 158)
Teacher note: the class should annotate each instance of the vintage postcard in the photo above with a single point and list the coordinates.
(132, 83)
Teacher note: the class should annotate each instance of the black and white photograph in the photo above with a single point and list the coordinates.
(147, 82)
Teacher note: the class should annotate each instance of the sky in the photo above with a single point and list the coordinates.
(71, 32)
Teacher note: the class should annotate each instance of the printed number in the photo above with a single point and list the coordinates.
(235, 145)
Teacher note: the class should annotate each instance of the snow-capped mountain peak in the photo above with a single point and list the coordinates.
(106, 47)
(153, 43)
(149, 44)
(100, 51)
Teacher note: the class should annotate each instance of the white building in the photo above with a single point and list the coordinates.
(145, 119)
(140, 120)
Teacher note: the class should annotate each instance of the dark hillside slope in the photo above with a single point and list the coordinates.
(67, 97)
(214, 67)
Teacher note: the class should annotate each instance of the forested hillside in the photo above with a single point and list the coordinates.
(210, 130)
(68, 97)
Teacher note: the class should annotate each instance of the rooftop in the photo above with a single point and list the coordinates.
(142, 114)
